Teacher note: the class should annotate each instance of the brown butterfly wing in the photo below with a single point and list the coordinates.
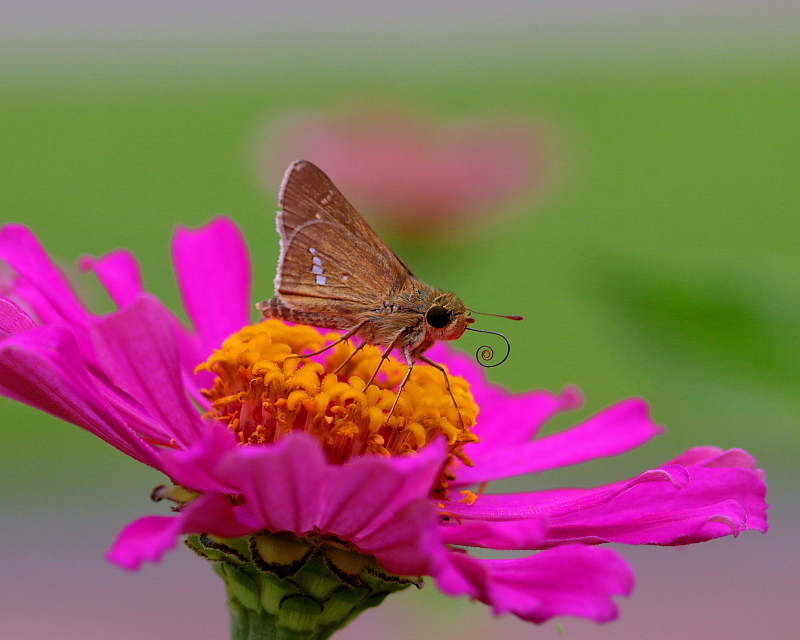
(329, 254)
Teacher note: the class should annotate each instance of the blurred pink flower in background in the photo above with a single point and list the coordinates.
(411, 171)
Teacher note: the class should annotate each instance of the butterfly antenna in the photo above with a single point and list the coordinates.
(495, 315)
(485, 353)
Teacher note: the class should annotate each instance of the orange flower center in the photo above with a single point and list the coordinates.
(263, 393)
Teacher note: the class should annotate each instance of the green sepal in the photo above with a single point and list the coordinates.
(281, 554)
(329, 587)
(217, 549)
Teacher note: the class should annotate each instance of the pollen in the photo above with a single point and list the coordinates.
(263, 391)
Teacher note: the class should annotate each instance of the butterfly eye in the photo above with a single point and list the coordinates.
(438, 317)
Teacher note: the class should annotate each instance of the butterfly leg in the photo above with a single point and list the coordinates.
(410, 363)
(427, 360)
(346, 336)
(384, 355)
(349, 358)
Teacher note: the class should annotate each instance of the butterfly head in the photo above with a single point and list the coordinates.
(447, 318)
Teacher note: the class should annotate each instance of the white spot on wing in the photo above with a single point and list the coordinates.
(317, 269)
(326, 199)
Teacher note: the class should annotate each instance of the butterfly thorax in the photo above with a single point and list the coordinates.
(407, 321)
(414, 318)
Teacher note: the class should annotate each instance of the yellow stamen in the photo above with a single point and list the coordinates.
(262, 395)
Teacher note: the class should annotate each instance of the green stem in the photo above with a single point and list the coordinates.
(247, 624)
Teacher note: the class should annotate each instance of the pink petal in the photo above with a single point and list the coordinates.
(119, 273)
(213, 269)
(393, 483)
(283, 484)
(145, 540)
(13, 320)
(574, 580)
(715, 502)
(529, 533)
(558, 502)
(617, 429)
(406, 544)
(682, 526)
(696, 455)
(137, 346)
(528, 412)
(149, 538)
(192, 351)
(23, 251)
(214, 513)
(666, 506)
(43, 367)
(716, 457)
(197, 466)
(458, 574)
(379, 504)
(291, 487)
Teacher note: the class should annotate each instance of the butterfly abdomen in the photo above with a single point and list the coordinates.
(275, 308)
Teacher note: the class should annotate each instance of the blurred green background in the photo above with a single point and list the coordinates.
(663, 261)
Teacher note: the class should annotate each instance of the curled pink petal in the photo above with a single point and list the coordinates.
(716, 501)
(145, 540)
(119, 273)
(555, 502)
(535, 589)
(716, 457)
(213, 269)
(149, 538)
(672, 505)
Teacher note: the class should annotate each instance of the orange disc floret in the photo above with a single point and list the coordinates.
(264, 391)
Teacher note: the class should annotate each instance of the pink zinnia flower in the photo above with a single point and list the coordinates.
(298, 461)
(414, 172)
